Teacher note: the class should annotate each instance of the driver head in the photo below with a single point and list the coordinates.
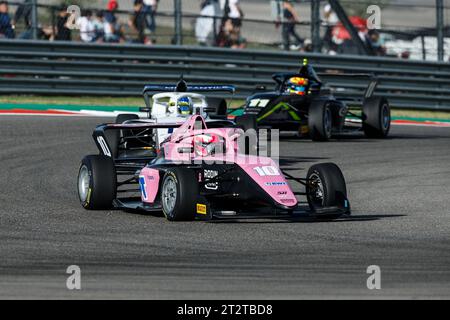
(297, 85)
(185, 106)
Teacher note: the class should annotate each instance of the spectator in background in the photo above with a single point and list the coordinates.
(6, 27)
(373, 39)
(137, 21)
(230, 37)
(230, 29)
(330, 19)
(150, 8)
(99, 26)
(307, 46)
(62, 32)
(233, 11)
(23, 10)
(112, 28)
(290, 19)
(405, 55)
(86, 27)
(206, 28)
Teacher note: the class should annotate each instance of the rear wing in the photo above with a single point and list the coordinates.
(189, 88)
(368, 93)
(182, 86)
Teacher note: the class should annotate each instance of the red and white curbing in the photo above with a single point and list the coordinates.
(96, 113)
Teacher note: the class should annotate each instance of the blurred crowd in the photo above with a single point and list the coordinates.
(219, 23)
(92, 26)
(337, 39)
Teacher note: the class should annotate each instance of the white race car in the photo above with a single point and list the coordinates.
(172, 104)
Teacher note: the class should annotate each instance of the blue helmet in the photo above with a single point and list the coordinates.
(184, 105)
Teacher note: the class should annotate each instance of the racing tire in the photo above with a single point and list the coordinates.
(97, 182)
(248, 122)
(131, 143)
(326, 187)
(219, 104)
(121, 118)
(320, 121)
(376, 117)
(179, 192)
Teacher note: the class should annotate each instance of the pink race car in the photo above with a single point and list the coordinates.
(199, 173)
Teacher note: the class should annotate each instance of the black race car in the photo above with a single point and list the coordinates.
(303, 103)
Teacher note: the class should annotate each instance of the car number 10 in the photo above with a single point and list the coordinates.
(267, 171)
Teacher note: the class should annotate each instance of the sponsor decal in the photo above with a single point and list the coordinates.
(267, 171)
(259, 103)
(201, 208)
(142, 186)
(211, 174)
(104, 146)
(272, 184)
(287, 200)
(282, 193)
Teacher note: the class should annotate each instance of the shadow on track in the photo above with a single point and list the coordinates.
(351, 218)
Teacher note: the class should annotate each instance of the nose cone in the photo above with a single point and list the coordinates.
(268, 176)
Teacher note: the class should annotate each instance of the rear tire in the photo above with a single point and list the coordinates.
(219, 104)
(246, 122)
(376, 117)
(326, 187)
(130, 143)
(121, 118)
(97, 182)
(179, 191)
(320, 121)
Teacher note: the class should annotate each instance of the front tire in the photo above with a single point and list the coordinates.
(376, 117)
(320, 121)
(179, 191)
(326, 187)
(97, 182)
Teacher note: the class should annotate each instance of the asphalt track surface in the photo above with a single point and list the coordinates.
(399, 189)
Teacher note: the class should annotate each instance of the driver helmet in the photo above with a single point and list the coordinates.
(297, 85)
(207, 145)
(184, 105)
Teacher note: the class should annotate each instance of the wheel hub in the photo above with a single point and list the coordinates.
(386, 117)
(317, 190)
(83, 183)
(169, 194)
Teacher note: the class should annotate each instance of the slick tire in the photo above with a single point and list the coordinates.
(121, 118)
(320, 121)
(376, 117)
(131, 143)
(219, 104)
(326, 187)
(97, 182)
(179, 192)
(247, 122)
